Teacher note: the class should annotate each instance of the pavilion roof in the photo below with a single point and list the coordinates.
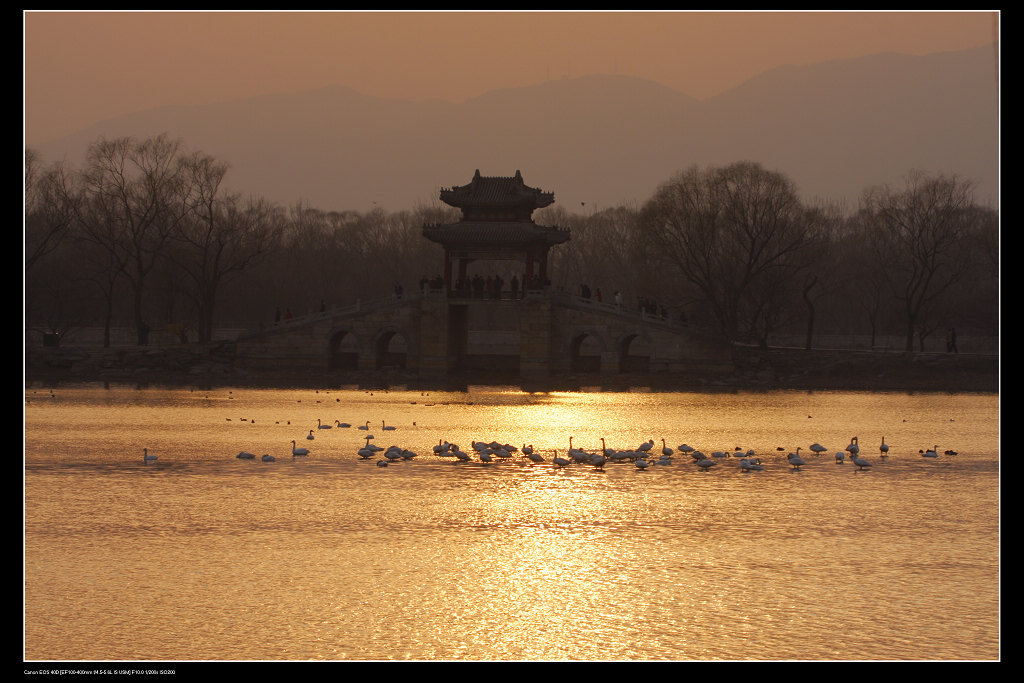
(494, 233)
(496, 192)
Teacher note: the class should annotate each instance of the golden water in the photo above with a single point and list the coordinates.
(202, 556)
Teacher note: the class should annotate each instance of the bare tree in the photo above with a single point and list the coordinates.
(49, 212)
(738, 234)
(134, 195)
(919, 241)
(219, 236)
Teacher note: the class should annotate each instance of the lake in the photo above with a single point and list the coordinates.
(199, 555)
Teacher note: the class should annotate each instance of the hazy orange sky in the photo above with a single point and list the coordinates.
(84, 67)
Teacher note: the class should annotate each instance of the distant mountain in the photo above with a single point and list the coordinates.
(834, 128)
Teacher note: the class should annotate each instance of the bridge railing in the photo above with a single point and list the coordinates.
(564, 298)
(358, 306)
(611, 308)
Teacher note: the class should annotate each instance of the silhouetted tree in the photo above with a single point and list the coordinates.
(738, 234)
(49, 212)
(134, 199)
(219, 235)
(919, 241)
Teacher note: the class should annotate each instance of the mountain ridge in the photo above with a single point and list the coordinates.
(834, 127)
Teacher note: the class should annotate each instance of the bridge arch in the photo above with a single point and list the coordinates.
(390, 349)
(586, 349)
(343, 349)
(634, 352)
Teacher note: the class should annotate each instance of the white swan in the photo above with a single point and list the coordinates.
(386, 428)
(641, 464)
(245, 455)
(840, 457)
(884, 448)
(818, 448)
(598, 461)
(366, 426)
(558, 460)
(932, 452)
(342, 424)
(854, 447)
(299, 451)
(748, 464)
(268, 458)
(146, 457)
(366, 452)
(706, 463)
(320, 425)
(860, 462)
(665, 450)
(795, 460)
(310, 435)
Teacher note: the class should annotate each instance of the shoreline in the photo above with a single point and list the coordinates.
(773, 369)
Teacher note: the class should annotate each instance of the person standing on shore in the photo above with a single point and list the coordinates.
(951, 341)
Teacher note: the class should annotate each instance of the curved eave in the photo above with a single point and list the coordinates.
(494, 233)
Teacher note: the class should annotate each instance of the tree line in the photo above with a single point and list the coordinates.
(147, 231)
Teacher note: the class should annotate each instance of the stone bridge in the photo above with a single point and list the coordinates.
(537, 335)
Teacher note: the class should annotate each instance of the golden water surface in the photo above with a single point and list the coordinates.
(199, 555)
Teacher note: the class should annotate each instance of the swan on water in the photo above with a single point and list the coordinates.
(146, 457)
(883, 448)
(245, 455)
(268, 458)
(706, 463)
(310, 435)
(385, 427)
(559, 461)
(748, 464)
(860, 462)
(366, 426)
(320, 425)
(795, 460)
(342, 424)
(299, 451)
(840, 457)
(932, 452)
(818, 448)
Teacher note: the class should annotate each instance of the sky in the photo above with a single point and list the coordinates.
(85, 67)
